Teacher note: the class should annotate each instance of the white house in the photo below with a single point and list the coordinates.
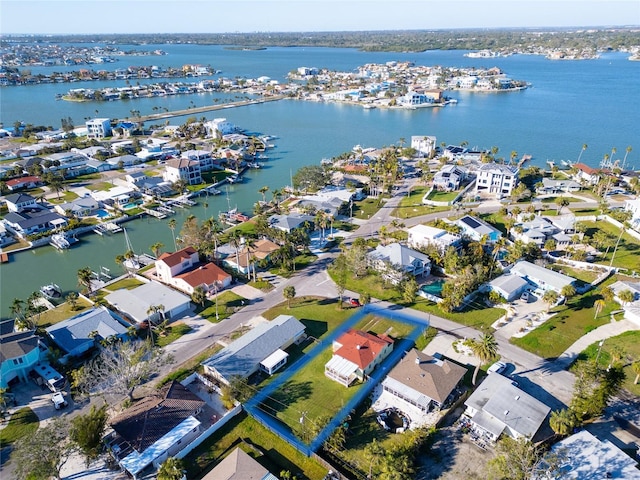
(395, 260)
(496, 179)
(136, 303)
(178, 169)
(220, 125)
(497, 406)
(421, 236)
(424, 145)
(450, 177)
(98, 127)
(541, 278)
(476, 229)
(20, 201)
(183, 270)
(633, 206)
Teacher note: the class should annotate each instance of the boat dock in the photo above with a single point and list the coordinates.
(154, 213)
(525, 158)
(181, 202)
(107, 228)
(4, 257)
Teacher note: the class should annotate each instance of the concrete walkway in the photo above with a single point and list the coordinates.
(601, 333)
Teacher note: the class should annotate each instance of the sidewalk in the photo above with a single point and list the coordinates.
(601, 333)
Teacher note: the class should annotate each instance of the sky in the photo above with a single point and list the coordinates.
(225, 16)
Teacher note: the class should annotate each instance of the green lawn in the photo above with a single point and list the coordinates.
(65, 197)
(278, 455)
(630, 343)
(496, 219)
(628, 254)
(22, 423)
(185, 369)
(437, 196)
(128, 283)
(380, 325)
(586, 276)
(228, 303)
(60, 313)
(302, 261)
(571, 321)
(553, 199)
(366, 208)
(174, 332)
(411, 205)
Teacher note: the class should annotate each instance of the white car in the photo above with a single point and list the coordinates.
(497, 367)
(58, 400)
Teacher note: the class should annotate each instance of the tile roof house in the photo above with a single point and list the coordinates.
(250, 353)
(259, 250)
(183, 169)
(586, 173)
(395, 260)
(239, 465)
(75, 335)
(155, 428)
(355, 355)
(183, 270)
(540, 277)
(23, 182)
(19, 353)
(423, 381)
(497, 406)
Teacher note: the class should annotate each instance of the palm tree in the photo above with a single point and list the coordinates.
(626, 296)
(484, 349)
(626, 153)
(562, 422)
(635, 367)
(289, 293)
(321, 222)
(172, 226)
(199, 295)
(568, 291)
(598, 305)
(550, 297)
(263, 191)
(171, 469)
(584, 147)
(156, 247)
(17, 308)
(84, 278)
(607, 294)
(623, 228)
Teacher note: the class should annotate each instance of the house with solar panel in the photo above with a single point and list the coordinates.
(476, 229)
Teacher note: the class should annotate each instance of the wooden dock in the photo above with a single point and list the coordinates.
(4, 257)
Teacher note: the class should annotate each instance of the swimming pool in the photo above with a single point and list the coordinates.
(433, 288)
(102, 213)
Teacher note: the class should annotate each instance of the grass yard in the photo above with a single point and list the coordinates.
(496, 219)
(22, 423)
(310, 393)
(628, 254)
(411, 205)
(629, 342)
(380, 325)
(301, 262)
(437, 196)
(175, 331)
(187, 368)
(101, 186)
(553, 199)
(319, 315)
(278, 455)
(65, 197)
(60, 313)
(586, 276)
(228, 303)
(571, 321)
(366, 208)
(128, 283)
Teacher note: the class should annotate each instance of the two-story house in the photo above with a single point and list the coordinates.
(496, 179)
(183, 169)
(19, 353)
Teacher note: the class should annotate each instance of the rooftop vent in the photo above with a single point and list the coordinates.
(358, 347)
(517, 397)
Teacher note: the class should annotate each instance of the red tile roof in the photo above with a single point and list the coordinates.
(585, 168)
(22, 180)
(207, 274)
(360, 347)
(176, 258)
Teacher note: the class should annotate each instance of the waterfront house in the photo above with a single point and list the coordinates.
(219, 126)
(80, 207)
(477, 229)
(19, 353)
(586, 174)
(239, 465)
(80, 333)
(541, 278)
(423, 381)
(395, 261)
(449, 178)
(156, 427)
(498, 406)
(137, 302)
(20, 201)
(184, 271)
(34, 220)
(551, 186)
(183, 169)
(355, 355)
(495, 179)
(420, 236)
(98, 128)
(582, 456)
(424, 145)
(261, 348)
(288, 223)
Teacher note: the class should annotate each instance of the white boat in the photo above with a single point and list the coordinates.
(60, 241)
(51, 291)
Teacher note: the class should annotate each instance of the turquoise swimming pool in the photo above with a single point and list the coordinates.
(433, 288)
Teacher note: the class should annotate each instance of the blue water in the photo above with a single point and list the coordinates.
(102, 213)
(571, 103)
(434, 288)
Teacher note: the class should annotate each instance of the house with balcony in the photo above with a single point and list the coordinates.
(424, 145)
(395, 260)
(98, 128)
(496, 180)
(20, 201)
(184, 271)
(19, 354)
(178, 169)
(586, 174)
(422, 381)
(32, 221)
(450, 178)
(355, 355)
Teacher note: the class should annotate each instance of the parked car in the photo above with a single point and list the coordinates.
(497, 367)
(354, 302)
(58, 400)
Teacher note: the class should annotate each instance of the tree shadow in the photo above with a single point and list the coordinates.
(287, 394)
(315, 328)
